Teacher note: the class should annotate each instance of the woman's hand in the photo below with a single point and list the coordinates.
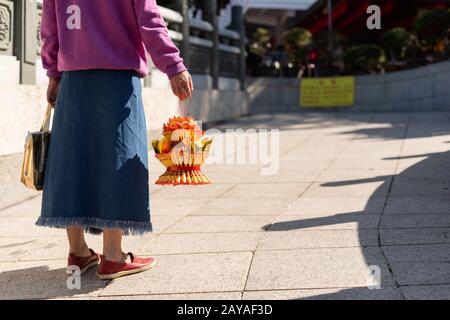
(52, 90)
(182, 86)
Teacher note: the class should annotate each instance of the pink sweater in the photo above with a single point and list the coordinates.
(106, 34)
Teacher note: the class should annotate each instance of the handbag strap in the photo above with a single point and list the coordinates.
(46, 123)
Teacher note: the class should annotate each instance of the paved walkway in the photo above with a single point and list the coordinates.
(353, 191)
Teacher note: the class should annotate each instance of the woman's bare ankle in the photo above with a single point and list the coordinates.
(115, 256)
(80, 251)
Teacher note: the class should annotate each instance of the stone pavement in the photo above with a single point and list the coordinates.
(353, 191)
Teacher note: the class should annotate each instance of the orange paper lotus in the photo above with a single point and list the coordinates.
(183, 150)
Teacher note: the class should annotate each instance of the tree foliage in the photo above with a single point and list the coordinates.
(397, 41)
(321, 44)
(260, 42)
(367, 58)
(297, 43)
(432, 29)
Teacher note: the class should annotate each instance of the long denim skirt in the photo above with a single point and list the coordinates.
(97, 170)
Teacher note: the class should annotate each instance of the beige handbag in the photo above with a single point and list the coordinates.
(35, 156)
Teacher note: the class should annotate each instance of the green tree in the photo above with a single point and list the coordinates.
(397, 41)
(297, 43)
(365, 58)
(432, 29)
(322, 45)
(260, 42)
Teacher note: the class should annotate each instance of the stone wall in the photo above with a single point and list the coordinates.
(273, 95)
(421, 89)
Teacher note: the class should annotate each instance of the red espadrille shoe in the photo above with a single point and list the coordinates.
(109, 270)
(84, 263)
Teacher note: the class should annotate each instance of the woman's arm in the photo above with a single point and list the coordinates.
(50, 48)
(164, 53)
(49, 35)
(154, 33)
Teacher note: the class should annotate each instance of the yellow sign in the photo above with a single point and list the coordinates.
(327, 92)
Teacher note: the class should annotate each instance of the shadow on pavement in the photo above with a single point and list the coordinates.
(413, 229)
(40, 282)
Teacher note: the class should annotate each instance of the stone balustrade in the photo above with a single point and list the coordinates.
(20, 44)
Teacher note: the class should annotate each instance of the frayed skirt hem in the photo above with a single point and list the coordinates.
(96, 225)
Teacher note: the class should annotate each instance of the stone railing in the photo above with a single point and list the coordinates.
(201, 46)
(207, 50)
(6, 27)
(174, 21)
(18, 40)
(230, 52)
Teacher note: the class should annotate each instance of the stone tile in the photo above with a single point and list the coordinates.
(242, 207)
(29, 208)
(433, 292)
(263, 176)
(317, 165)
(421, 273)
(427, 160)
(162, 223)
(364, 164)
(322, 241)
(80, 298)
(427, 173)
(382, 153)
(28, 248)
(319, 268)
(154, 188)
(345, 221)
(297, 154)
(411, 164)
(193, 192)
(179, 297)
(25, 227)
(418, 253)
(401, 221)
(325, 294)
(310, 239)
(43, 280)
(197, 224)
(419, 149)
(312, 149)
(414, 236)
(430, 204)
(374, 147)
(284, 176)
(266, 191)
(181, 207)
(179, 243)
(420, 264)
(11, 190)
(213, 167)
(403, 186)
(330, 176)
(231, 177)
(348, 189)
(188, 273)
(328, 206)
